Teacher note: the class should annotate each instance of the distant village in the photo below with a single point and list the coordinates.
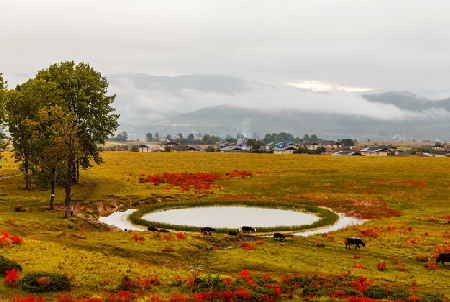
(282, 143)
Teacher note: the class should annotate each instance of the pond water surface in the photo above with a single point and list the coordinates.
(231, 217)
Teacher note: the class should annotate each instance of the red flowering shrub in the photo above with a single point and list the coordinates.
(181, 236)
(247, 246)
(200, 183)
(121, 296)
(382, 266)
(28, 299)
(11, 277)
(137, 238)
(7, 240)
(431, 266)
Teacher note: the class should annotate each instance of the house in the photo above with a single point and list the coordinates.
(378, 151)
(230, 149)
(144, 148)
(311, 146)
(347, 153)
(438, 147)
(284, 150)
(330, 145)
(439, 153)
(402, 152)
(182, 148)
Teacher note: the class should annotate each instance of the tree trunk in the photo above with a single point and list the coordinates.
(68, 185)
(52, 197)
(27, 171)
(78, 171)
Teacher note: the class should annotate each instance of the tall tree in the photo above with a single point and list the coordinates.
(52, 133)
(191, 138)
(23, 103)
(149, 137)
(83, 94)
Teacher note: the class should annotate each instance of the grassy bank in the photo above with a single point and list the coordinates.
(327, 217)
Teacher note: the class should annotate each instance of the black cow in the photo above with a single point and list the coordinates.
(445, 257)
(247, 229)
(279, 236)
(152, 229)
(207, 229)
(233, 233)
(354, 240)
(163, 231)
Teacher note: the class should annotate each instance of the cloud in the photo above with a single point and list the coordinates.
(155, 103)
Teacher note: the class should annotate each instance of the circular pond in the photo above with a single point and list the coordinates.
(231, 217)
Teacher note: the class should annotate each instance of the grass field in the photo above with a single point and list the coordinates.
(405, 198)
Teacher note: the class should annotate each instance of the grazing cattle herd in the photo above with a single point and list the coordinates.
(349, 241)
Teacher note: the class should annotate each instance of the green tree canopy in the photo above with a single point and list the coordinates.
(82, 93)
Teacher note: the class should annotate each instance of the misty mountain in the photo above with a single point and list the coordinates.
(225, 119)
(407, 100)
(224, 105)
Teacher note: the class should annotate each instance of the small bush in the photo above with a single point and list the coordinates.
(7, 265)
(44, 282)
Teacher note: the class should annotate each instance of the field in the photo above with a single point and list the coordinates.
(405, 198)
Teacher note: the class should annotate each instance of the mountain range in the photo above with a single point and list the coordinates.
(224, 105)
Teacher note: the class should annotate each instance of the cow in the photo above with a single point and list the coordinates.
(444, 257)
(247, 229)
(233, 233)
(163, 231)
(279, 236)
(152, 229)
(207, 229)
(354, 240)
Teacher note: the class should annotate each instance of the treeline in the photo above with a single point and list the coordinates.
(55, 122)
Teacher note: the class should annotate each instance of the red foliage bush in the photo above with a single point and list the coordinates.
(201, 183)
(247, 246)
(11, 277)
(382, 266)
(181, 236)
(7, 240)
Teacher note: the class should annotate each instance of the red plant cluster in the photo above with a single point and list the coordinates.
(247, 246)
(370, 232)
(200, 183)
(137, 238)
(7, 240)
(121, 296)
(11, 277)
(27, 299)
(365, 209)
(382, 266)
(181, 236)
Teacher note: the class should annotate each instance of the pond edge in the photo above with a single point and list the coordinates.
(327, 217)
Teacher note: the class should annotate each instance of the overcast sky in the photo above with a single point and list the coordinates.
(358, 43)
(345, 45)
